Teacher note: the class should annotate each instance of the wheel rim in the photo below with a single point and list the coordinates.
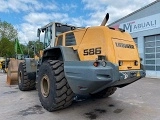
(45, 85)
(20, 77)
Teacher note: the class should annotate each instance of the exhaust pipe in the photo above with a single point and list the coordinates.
(105, 20)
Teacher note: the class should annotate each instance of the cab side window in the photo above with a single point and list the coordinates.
(70, 39)
(48, 36)
(60, 40)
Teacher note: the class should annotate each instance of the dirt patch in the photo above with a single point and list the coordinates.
(21, 98)
(111, 105)
(91, 115)
(118, 111)
(100, 110)
(94, 114)
(37, 109)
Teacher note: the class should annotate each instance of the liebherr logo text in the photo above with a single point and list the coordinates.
(124, 45)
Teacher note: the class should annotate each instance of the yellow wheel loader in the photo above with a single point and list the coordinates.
(85, 61)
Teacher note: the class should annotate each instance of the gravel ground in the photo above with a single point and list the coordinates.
(138, 101)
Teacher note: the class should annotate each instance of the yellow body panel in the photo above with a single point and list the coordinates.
(115, 45)
(79, 34)
(90, 41)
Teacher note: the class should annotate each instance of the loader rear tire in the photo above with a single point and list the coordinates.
(53, 89)
(24, 83)
(105, 93)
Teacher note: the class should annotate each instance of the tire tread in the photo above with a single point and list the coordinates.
(26, 84)
(62, 98)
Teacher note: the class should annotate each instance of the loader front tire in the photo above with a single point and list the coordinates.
(53, 89)
(24, 83)
(105, 93)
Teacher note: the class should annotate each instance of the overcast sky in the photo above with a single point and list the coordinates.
(28, 15)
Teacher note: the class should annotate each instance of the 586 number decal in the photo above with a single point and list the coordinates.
(92, 51)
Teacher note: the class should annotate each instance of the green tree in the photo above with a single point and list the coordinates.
(6, 47)
(25, 49)
(7, 31)
(7, 36)
(39, 46)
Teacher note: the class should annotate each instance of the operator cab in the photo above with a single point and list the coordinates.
(51, 31)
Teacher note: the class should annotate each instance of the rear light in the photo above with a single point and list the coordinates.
(136, 63)
(96, 64)
(120, 63)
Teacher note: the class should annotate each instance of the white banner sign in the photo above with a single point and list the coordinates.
(146, 23)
